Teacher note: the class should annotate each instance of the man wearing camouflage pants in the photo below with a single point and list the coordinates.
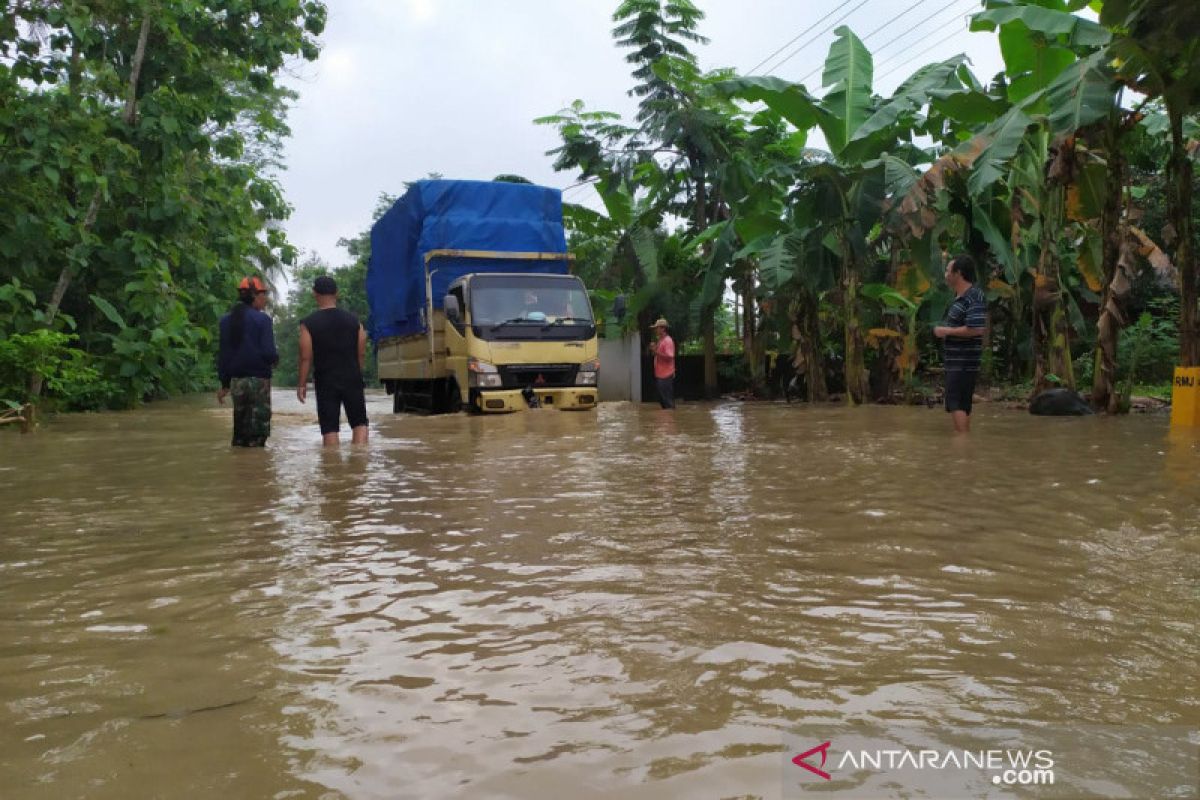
(245, 360)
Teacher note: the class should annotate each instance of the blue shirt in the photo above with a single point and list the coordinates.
(254, 356)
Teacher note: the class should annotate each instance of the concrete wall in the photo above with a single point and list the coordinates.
(621, 369)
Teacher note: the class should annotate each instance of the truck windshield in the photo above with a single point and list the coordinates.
(528, 306)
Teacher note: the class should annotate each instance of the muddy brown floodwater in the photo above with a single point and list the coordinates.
(625, 603)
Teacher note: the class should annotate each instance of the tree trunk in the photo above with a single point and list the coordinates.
(809, 359)
(856, 389)
(1051, 333)
(737, 315)
(977, 248)
(129, 115)
(708, 328)
(1116, 283)
(751, 341)
(708, 315)
(1179, 212)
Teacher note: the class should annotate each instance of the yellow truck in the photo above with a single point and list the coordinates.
(472, 303)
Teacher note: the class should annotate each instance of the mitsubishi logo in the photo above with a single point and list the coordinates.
(540, 380)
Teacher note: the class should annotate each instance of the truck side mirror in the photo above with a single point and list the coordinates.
(453, 312)
(618, 307)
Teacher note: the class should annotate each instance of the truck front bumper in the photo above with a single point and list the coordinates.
(503, 401)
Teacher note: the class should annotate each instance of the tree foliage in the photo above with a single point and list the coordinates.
(139, 143)
(1024, 173)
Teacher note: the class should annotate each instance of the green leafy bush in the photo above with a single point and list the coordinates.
(68, 376)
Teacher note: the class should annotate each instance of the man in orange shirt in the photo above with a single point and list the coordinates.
(664, 364)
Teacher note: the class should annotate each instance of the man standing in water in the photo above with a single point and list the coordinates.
(664, 364)
(244, 362)
(333, 342)
(962, 330)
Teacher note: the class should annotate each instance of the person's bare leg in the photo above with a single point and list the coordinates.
(359, 435)
(962, 422)
(329, 439)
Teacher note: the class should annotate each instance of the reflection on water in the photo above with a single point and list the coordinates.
(623, 603)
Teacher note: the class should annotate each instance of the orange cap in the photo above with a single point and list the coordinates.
(252, 283)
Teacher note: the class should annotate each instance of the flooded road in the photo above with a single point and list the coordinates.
(626, 603)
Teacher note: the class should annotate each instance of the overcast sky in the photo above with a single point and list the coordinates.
(408, 87)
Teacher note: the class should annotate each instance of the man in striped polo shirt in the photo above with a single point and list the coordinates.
(962, 330)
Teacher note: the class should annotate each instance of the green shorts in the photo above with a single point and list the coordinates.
(251, 411)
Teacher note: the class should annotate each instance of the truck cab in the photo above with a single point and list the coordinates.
(520, 340)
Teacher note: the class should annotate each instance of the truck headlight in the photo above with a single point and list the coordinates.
(482, 375)
(588, 372)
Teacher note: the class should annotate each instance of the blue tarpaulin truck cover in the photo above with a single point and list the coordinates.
(455, 215)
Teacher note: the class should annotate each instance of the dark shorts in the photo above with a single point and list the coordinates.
(960, 387)
(331, 397)
(666, 391)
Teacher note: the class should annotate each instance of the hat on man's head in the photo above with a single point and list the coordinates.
(252, 284)
(660, 323)
(325, 285)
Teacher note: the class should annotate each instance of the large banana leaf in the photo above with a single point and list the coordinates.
(754, 226)
(645, 247)
(1038, 43)
(1048, 61)
(897, 115)
(1082, 94)
(885, 294)
(968, 107)
(618, 201)
(1079, 96)
(985, 223)
(777, 265)
(848, 73)
(1086, 196)
(797, 257)
(588, 222)
(790, 100)
(914, 93)
(1077, 31)
(866, 198)
(1003, 139)
(712, 286)
(898, 175)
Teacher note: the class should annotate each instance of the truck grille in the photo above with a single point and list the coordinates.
(518, 376)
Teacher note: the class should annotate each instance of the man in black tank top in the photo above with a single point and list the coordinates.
(333, 342)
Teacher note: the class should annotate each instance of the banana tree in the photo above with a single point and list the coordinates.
(896, 302)
(799, 266)
(1105, 260)
(684, 133)
(757, 180)
(1157, 53)
(1059, 84)
(858, 127)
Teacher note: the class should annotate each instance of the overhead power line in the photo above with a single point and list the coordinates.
(919, 24)
(913, 7)
(896, 38)
(578, 187)
(802, 33)
(914, 57)
(807, 44)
